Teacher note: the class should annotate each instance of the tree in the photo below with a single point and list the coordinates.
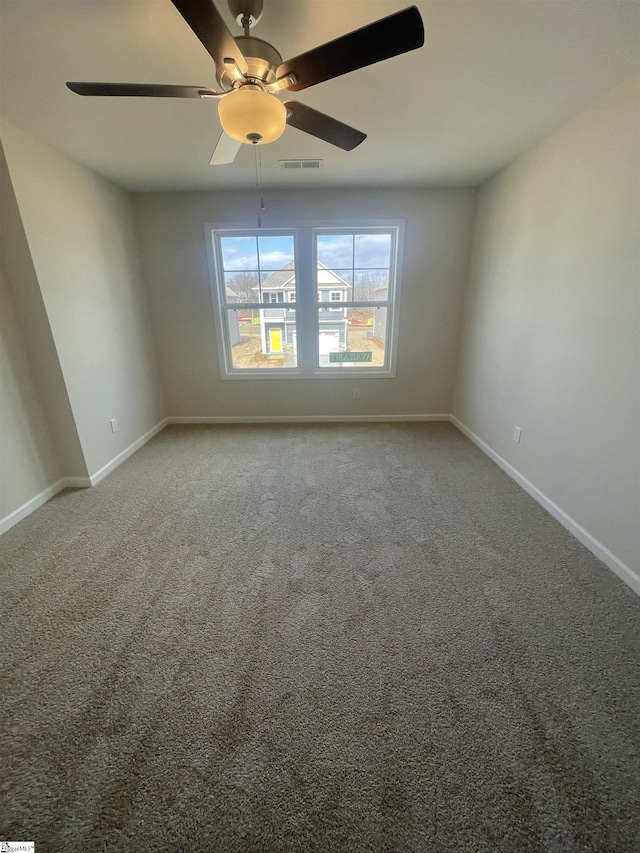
(243, 284)
(366, 284)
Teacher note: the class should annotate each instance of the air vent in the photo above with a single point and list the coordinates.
(301, 164)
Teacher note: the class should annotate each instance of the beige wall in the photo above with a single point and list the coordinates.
(551, 331)
(38, 438)
(438, 222)
(29, 462)
(81, 237)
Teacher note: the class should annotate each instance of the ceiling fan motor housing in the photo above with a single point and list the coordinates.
(262, 61)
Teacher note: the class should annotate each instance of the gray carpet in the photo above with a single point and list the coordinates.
(314, 638)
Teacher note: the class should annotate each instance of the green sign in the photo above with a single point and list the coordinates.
(349, 356)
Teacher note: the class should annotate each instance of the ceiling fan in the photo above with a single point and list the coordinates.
(250, 74)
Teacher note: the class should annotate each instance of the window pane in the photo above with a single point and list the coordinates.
(356, 339)
(263, 338)
(371, 286)
(239, 253)
(335, 250)
(242, 286)
(372, 250)
(275, 252)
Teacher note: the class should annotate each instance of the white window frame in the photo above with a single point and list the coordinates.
(307, 307)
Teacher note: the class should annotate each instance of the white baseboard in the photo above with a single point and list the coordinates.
(597, 548)
(75, 482)
(41, 498)
(29, 506)
(310, 419)
(127, 452)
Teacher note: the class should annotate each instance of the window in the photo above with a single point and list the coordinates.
(335, 296)
(268, 322)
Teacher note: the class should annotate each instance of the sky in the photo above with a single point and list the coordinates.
(241, 253)
(337, 251)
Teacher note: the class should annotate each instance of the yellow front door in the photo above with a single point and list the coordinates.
(275, 340)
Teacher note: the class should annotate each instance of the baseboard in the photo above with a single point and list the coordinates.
(597, 548)
(127, 452)
(75, 482)
(310, 419)
(31, 505)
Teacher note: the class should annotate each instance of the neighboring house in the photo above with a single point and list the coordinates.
(234, 323)
(278, 323)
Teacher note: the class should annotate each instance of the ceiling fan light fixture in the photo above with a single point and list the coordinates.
(251, 115)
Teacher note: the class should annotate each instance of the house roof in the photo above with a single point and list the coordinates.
(285, 278)
(281, 279)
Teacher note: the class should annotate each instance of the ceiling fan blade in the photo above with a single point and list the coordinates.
(323, 126)
(140, 90)
(391, 36)
(208, 24)
(225, 150)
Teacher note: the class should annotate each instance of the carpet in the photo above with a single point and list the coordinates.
(336, 637)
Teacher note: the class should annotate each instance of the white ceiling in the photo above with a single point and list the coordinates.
(493, 77)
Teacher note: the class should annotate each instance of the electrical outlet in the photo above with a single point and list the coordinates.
(516, 434)
(356, 393)
(114, 425)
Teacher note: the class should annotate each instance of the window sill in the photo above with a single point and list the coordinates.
(319, 373)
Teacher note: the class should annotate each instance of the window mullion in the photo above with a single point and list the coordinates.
(306, 298)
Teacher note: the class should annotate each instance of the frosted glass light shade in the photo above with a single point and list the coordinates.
(249, 112)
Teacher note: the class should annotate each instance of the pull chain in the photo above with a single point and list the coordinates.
(258, 163)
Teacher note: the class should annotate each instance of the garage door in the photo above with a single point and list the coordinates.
(329, 342)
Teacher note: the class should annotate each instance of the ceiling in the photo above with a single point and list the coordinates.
(493, 78)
